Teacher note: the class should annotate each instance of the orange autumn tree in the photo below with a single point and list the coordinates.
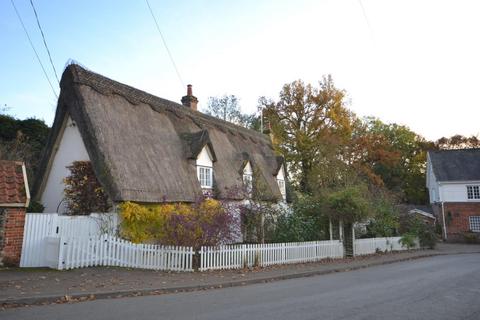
(308, 124)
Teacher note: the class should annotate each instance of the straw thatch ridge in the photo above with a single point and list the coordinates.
(143, 147)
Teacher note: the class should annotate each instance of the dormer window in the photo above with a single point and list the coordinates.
(248, 178)
(281, 182)
(205, 168)
(473, 192)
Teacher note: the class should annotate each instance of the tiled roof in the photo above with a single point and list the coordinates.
(456, 165)
(13, 189)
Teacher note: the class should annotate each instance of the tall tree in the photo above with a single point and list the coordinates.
(226, 108)
(394, 156)
(308, 124)
(458, 142)
(23, 140)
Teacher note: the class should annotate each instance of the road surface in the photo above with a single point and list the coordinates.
(442, 287)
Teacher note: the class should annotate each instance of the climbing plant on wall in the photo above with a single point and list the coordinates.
(83, 192)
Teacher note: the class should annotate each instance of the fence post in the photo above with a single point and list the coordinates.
(60, 254)
(353, 239)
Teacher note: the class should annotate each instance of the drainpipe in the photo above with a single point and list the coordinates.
(444, 224)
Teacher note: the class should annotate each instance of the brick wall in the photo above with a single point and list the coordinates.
(12, 221)
(457, 218)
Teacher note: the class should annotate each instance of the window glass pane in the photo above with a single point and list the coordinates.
(281, 186)
(205, 176)
(473, 192)
(248, 182)
(475, 223)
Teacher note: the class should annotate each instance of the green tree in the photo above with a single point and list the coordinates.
(227, 108)
(23, 140)
(458, 142)
(385, 219)
(349, 204)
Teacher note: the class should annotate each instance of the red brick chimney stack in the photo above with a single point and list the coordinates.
(190, 100)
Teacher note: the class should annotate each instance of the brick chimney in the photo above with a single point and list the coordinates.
(190, 100)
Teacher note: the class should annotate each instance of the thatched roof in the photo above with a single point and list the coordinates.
(143, 147)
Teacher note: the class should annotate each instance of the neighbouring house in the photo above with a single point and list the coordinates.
(424, 212)
(14, 199)
(453, 182)
(147, 149)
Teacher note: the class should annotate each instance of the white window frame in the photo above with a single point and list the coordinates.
(473, 192)
(474, 223)
(248, 183)
(206, 180)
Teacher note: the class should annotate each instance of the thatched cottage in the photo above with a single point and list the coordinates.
(150, 150)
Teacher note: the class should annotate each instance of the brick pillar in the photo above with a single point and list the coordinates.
(12, 221)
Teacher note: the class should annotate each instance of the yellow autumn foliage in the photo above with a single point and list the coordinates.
(203, 223)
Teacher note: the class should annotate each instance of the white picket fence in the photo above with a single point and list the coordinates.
(239, 256)
(67, 242)
(108, 250)
(372, 245)
(39, 227)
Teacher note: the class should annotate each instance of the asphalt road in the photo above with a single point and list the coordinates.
(442, 287)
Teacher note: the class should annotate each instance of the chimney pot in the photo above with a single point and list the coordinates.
(190, 100)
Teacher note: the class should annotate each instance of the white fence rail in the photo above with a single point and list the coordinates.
(41, 226)
(239, 256)
(372, 245)
(107, 250)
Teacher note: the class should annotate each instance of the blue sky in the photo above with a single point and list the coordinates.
(410, 62)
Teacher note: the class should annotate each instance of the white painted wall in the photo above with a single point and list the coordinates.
(432, 184)
(247, 169)
(281, 182)
(281, 173)
(456, 192)
(205, 158)
(71, 148)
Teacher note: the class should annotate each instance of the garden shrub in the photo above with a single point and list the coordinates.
(83, 192)
(349, 204)
(408, 240)
(205, 223)
(413, 225)
(385, 221)
(470, 237)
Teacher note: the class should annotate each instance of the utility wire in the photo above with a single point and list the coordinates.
(366, 18)
(165, 44)
(33, 47)
(45, 42)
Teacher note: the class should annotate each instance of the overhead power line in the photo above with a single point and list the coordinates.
(44, 41)
(364, 12)
(165, 44)
(33, 48)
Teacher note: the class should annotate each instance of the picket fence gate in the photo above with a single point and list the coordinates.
(39, 227)
(107, 250)
(248, 255)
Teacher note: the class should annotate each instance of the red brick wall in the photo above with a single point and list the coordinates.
(457, 218)
(12, 235)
